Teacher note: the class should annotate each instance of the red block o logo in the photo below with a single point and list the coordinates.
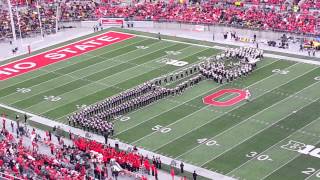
(211, 99)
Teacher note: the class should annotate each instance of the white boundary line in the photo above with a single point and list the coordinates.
(71, 63)
(166, 160)
(83, 78)
(72, 44)
(149, 37)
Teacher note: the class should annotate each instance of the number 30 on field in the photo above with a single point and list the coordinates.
(260, 157)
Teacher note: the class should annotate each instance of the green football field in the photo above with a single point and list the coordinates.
(274, 136)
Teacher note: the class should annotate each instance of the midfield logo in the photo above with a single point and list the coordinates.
(302, 148)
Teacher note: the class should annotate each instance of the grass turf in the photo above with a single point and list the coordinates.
(282, 106)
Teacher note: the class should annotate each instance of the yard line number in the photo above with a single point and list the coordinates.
(207, 142)
(82, 106)
(122, 118)
(52, 98)
(23, 90)
(173, 52)
(202, 58)
(142, 47)
(161, 129)
(310, 171)
(279, 71)
(172, 62)
(260, 157)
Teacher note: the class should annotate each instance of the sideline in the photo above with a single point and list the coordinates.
(166, 160)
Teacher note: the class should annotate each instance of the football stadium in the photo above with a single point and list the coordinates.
(169, 90)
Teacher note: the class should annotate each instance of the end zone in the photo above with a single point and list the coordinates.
(38, 61)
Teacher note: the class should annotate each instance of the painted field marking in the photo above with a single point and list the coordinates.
(211, 99)
(66, 52)
(75, 63)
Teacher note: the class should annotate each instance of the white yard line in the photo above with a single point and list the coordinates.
(71, 63)
(236, 125)
(194, 129)
(182, 103)
(83, 78)
(118, 82)
(279, 121)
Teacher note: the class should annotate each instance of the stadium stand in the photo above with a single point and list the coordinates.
(231, 13)
(84, 159)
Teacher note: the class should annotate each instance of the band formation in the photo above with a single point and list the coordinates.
(222, 68)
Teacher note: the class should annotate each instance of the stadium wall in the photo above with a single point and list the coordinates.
(217, 30)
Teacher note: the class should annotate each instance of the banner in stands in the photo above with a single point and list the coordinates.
(38, 61)
(111, 22)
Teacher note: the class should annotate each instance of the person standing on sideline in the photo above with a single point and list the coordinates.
(12, 126)
(106, 135)
(194, 175)
(25, 118)
(156, 174)
(181, 167)
(159, 36)
(213, 36)
(172, 173)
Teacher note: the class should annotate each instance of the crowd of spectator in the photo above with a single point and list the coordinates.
(207, 12)
(310, 4)
(270, 2)
(84, 159)
(228, 14)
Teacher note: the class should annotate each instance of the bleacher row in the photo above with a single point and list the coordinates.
(222, 12)
(85, 159)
